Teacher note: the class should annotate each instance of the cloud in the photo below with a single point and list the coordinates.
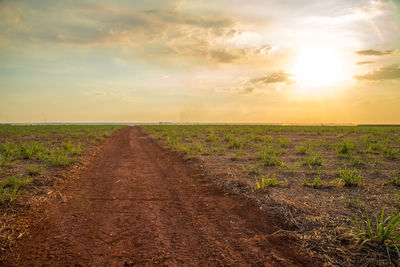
(248, 90)
(275, 77)
(364, 62)
(386, 73)
(372, 52)
(156, 32)
(223, 55)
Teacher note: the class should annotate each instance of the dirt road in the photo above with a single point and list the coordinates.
(138, 204)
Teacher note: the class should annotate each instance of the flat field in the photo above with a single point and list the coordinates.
(326, 181)
(32, 160)
(200, 195)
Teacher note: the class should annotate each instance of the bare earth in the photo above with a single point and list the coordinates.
(138, 204)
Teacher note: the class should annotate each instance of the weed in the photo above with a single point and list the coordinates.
(267, 139)
(385, 233)
(34, 170)
(255, 169)
(172, 142)
(198, 147)
(293, 167)
(351, 202)
(211, 138)
(29, 150)
(72, 149)
(313, 160)
(395, 179)
(267, 182)
(269, 158)
(345, 147)
(303, 149)
(228, 137)
(350, 177)
(316, 183)
(235, 143)
(3, 160)
(7, 195)
(284, 142)
(9, 149)
(13, 181)
(60, 158)
(9, 188)
(356, 161)
(238, 154)
(390, 154)
(375, 147)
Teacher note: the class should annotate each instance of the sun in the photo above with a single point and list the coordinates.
(318, 67)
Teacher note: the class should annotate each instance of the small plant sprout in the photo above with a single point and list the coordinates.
(303, 149)
(255, 169)
(385, 232)
(313, 160)
(350, 177)
(8, 195)
(345, 147)
(269, 158)
(236, 143)
(284, 142)
(395, 179)
(267, 182)
(9, 188)
(34, 170)
(316, 183)
(351, 202)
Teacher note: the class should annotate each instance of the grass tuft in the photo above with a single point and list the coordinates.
(313, 160)
(385, 232)
(267, 182)
(350, 177)
(316, 183)
(9, 188)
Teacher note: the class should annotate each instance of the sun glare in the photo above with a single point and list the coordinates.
(318, 67)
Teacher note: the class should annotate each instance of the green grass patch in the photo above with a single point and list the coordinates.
(350, 177)
(9, 188)
(316, 183)
(313, 160)
(384, 233)
(267, 182)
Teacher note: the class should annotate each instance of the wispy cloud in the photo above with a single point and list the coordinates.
(364, 62)
(372, 52)
(386, 73)
(274, 77)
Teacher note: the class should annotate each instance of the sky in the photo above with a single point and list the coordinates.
(253, 61)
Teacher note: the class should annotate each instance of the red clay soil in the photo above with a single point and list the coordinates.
(139, 204)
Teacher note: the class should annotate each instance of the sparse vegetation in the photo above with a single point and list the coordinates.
(267, 182)
(313, 160)
(350, 177)
(395, 179)
(385, 233)
(303, 149)
(9, 188)
(316, 183)
(31, 150)
(327, 156)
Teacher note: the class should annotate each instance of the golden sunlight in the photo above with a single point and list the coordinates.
(316, 67)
